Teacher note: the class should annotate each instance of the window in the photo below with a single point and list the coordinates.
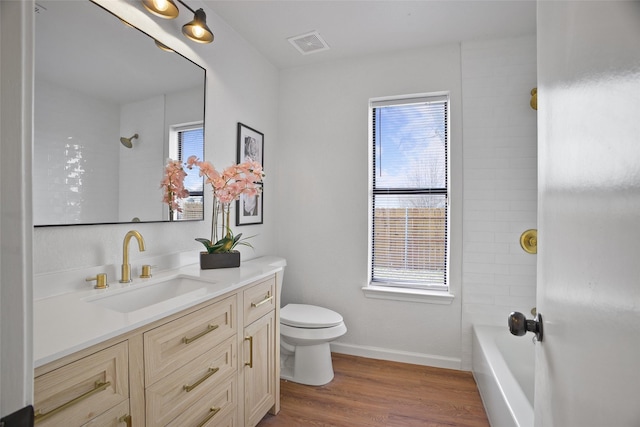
(409, 192)
(189, 141)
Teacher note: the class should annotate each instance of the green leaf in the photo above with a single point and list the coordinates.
(205, 242)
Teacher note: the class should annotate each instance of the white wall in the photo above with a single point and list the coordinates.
(500, 182)
(323, 192)
(241, 87)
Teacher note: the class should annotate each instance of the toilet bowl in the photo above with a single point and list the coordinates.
(305, 334)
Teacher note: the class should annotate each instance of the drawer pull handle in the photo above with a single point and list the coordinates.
(99, 386)
(210, 372)
(266, 299)
(250, 362)
(212, 413)
(125, 419)
(210, 328)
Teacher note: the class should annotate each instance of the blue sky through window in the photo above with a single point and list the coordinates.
(192, 145)
(410, 146)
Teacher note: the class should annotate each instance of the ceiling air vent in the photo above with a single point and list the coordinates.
(309, 43)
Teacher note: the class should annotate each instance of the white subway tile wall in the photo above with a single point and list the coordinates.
(500, 182)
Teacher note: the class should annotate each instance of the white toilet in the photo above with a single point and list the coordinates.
(305, 333)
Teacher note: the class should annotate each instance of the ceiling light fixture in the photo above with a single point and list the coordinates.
(166, 9)
(196, 30)
(163, 46)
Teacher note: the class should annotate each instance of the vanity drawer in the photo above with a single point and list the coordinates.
(214, 409)
(174, 394)
(171, 345)
(259, 300)
(114, 417)
(74, 394)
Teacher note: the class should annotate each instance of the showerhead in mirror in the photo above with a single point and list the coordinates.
(127, 141)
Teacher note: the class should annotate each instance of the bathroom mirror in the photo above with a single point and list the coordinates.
(109, 108)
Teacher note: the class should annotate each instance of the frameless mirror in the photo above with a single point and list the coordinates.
(110, 108)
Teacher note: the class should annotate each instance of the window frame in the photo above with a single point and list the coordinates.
(175, 152)
(398, 290)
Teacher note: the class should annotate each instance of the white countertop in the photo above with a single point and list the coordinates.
(64, 324)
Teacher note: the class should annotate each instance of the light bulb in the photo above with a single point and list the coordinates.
(198, 31)
(161, 5)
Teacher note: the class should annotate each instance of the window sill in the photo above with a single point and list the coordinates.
(411, 295)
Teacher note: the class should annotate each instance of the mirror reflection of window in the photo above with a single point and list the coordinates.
(189, 141)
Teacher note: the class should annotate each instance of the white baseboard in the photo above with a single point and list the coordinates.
(398, 356)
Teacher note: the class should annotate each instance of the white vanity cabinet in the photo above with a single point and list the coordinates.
(214, 364)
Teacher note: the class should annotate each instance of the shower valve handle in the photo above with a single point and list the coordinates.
(519, 325)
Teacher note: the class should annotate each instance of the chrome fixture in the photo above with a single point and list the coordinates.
(196, 30)
(127, 141)
(126, 267)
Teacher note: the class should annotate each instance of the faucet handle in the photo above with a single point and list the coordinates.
(101, 281)
(146, 271)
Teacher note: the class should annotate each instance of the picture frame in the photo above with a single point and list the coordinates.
(250, 147)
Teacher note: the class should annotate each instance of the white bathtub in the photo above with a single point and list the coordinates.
(504, 368)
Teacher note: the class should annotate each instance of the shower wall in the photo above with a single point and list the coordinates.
(77, 139)
(141, 166)
(500, 182)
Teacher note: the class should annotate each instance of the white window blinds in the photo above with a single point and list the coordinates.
(410, 192)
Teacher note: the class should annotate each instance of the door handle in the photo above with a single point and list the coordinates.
(519, 325)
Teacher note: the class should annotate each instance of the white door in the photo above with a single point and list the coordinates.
(588, 365)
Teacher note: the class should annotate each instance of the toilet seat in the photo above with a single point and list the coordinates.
(309, 316)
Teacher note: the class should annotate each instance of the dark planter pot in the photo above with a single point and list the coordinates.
(221, 260)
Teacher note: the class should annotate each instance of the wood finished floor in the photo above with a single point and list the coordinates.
(374, 393)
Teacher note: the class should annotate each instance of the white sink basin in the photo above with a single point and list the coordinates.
(175, 291)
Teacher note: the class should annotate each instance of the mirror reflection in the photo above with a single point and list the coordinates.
(110, 108)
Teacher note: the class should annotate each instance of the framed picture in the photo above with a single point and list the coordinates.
(250, 147)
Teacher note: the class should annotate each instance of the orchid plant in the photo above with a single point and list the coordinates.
(173, 186)
(227, 187)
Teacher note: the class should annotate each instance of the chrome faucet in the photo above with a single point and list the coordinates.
(126, 267)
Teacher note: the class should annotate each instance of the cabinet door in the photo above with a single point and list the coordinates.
(259, 368)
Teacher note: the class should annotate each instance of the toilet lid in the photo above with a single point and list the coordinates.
(308, 316)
